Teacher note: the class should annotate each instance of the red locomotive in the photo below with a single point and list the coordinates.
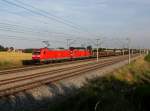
(49, 55)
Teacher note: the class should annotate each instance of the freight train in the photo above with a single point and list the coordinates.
(45, 55)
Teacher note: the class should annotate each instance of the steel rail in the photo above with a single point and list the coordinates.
(28, 68)
(23, 77)
(75, 72)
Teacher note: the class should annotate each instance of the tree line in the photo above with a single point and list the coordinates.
(2, 48)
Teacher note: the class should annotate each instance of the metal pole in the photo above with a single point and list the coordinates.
(147, 52)
(123, 51)
(132, 51)
(129, 42)
(107, 50)
(140, 51)
(68, 43)
(144, 51)
(97, 49)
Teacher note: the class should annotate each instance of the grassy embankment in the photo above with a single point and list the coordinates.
(12, 59)
(126, 89)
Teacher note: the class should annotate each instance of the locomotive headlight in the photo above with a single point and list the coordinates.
(38, 55)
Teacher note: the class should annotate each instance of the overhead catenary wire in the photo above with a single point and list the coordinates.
(12, 37)
(42, 13)
(26, 39)
(56, 17)
(46, 15)
(38, 13)
(22, 29)
(33, 34)
(16, 38)
(37, 20)
(11, 28)
(28, 18)
(17, 29)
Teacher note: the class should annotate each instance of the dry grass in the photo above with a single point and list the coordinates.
(12, 59)
(132, 72)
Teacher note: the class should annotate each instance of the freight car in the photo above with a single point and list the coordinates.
(51, 55)
(106, 53)
(111, 52)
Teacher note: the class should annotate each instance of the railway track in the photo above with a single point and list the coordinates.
(28, 68)
(23, 83)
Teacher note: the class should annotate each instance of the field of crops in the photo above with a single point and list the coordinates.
(13, 59)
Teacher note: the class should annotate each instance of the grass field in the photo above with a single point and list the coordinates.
(13, 59)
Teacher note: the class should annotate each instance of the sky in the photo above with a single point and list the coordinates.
(26, 23)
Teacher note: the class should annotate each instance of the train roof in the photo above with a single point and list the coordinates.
(48, 49)
(71, 48)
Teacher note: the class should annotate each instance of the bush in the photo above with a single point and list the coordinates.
(128, 89)
(147, 58)
(109, 94)
(28, 50)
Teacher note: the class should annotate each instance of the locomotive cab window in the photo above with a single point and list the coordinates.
(36, 53)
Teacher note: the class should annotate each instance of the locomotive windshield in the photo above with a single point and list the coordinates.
(36, 53)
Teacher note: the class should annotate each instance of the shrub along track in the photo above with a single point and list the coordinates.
(23, 83)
